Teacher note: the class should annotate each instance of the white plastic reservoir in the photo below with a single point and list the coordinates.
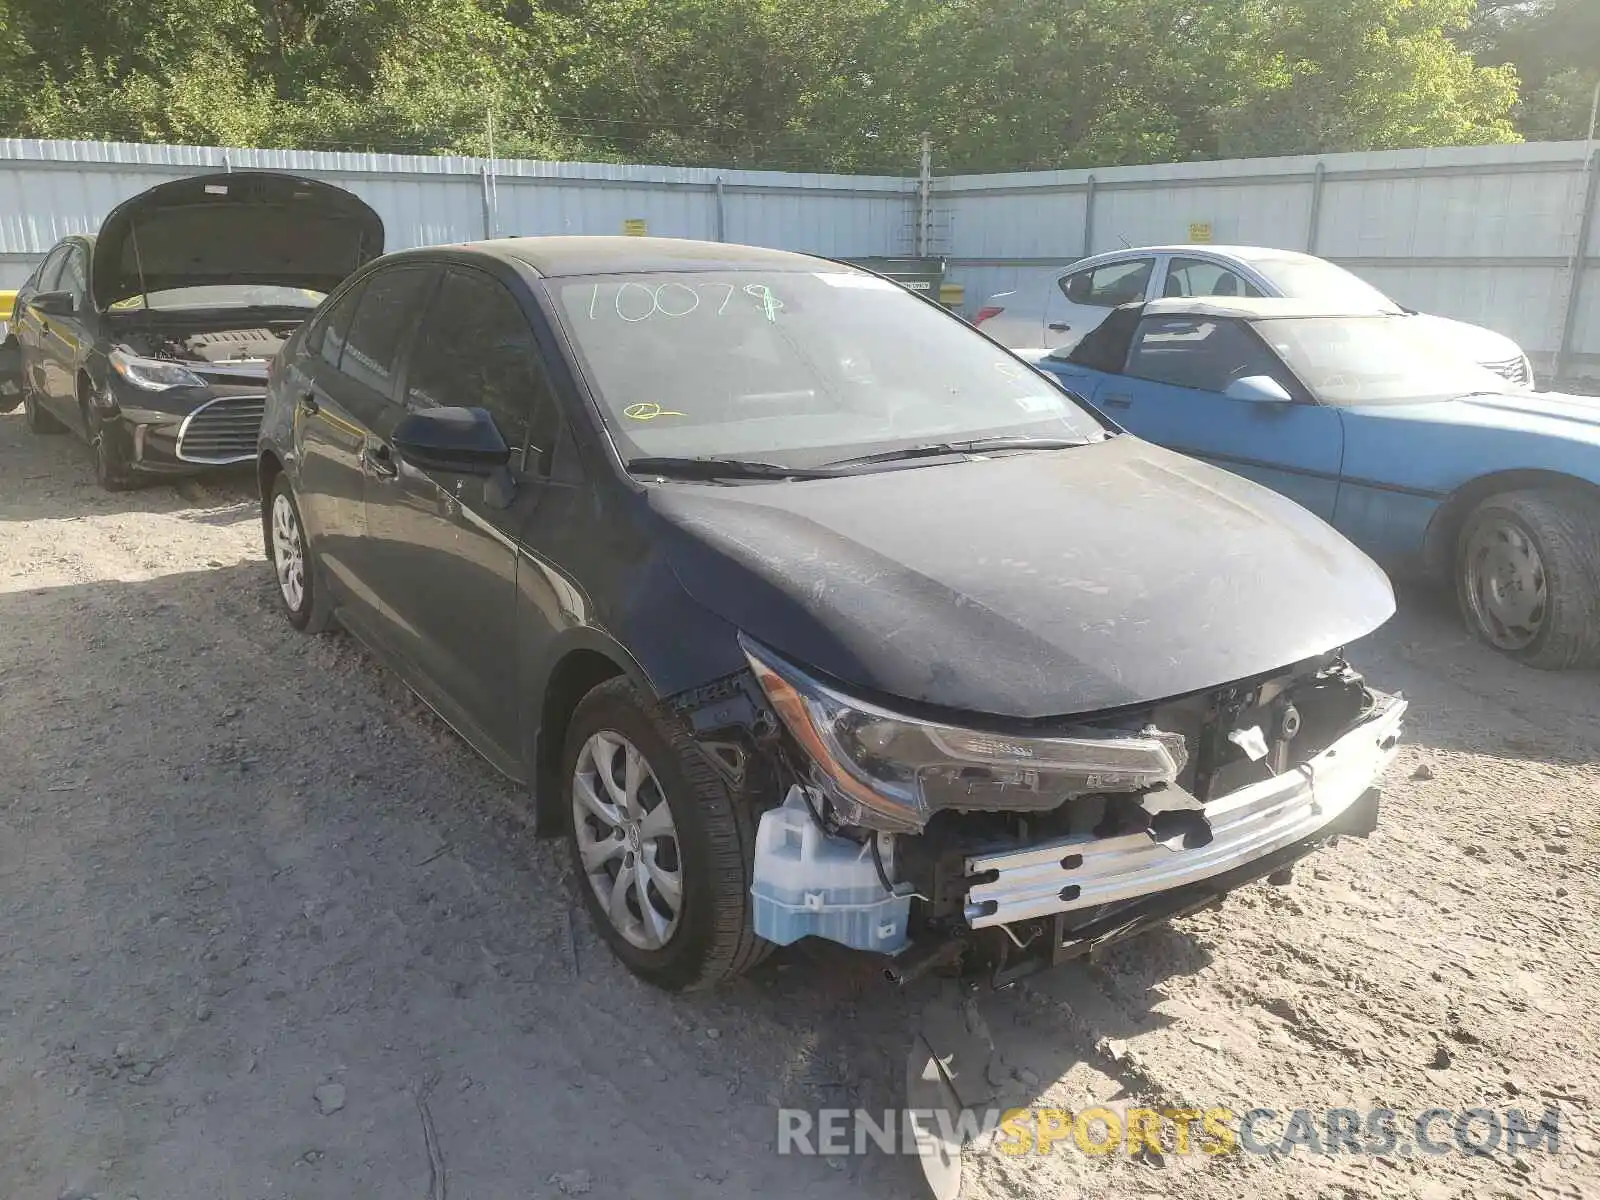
(808, 884)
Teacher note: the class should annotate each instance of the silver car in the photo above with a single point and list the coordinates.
(1082, 296)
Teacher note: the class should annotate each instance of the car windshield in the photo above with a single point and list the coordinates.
(229, 295)
(796, 368)
(1372, 360)
(1314, 279)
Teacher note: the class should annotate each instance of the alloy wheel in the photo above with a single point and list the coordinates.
(627, 840)
(288, 553)
(1505, 583)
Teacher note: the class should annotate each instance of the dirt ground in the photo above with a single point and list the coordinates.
(267, 929)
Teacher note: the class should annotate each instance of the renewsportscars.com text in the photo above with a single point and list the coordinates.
(1103, 1130)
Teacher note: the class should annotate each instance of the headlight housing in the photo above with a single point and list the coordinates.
(153, 374)
(884, 770)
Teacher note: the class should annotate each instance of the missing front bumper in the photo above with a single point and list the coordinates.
(1253, 823)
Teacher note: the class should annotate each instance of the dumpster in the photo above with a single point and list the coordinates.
(924, 276)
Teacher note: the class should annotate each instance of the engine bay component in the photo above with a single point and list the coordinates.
(1066, 874)
(253, 345)
(810, 883)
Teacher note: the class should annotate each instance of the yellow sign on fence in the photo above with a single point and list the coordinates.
(636, 227)
(1200, 232)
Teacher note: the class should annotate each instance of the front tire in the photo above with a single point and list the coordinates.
(111, 469)
(294, 565)
(662, 846)
(1528, 577)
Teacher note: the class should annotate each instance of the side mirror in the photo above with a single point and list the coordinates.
(1259, 389)
(464, 440)
(55, 304)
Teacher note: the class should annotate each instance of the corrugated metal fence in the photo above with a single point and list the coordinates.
(1489, 234)
(50, 189)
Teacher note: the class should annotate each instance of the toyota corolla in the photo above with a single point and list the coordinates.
(800, 608)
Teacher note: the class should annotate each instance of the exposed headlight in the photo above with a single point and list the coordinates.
(888, 771)
(153, 374)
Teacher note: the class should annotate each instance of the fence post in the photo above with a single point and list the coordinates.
(722, 214)
(925, 196)
(1580, 262)
(1088, 220)
(1317, 178)
(489, 217)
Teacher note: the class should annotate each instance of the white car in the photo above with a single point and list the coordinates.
(1085, 293)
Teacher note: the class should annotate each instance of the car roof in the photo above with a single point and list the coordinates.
(1253, 308)
(1245, 254)
(591, 254)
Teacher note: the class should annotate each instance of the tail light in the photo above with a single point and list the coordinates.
(987, 311)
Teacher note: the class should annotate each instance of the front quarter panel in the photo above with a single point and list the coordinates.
(1403, 462)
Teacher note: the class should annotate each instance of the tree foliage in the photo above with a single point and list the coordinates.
(1555, 48)
(815, 84)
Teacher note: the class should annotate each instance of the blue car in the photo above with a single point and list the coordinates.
(1429, 464)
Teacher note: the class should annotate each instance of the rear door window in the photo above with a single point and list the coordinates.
(1110, 285)
(1199, 352)
(476, 349)
(384, 318)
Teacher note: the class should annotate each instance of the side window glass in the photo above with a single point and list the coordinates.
(327, 340)
(74, 275)
(475, 349)
(1197, 277)
(1198, 353)
(383, 319)
(1110, 285)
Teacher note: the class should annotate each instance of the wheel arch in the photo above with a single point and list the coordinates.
(587, 660)
(1439, 544)
(268, 467)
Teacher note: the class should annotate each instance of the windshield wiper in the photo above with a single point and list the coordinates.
(722, 468)
(939, 449)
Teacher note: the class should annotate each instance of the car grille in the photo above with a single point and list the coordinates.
(222, 431)
(1513, 369)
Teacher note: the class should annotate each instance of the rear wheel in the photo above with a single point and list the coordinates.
(1528, 576)
(294, 565)
(662, 846)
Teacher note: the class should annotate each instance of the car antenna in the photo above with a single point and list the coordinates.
(138, 262)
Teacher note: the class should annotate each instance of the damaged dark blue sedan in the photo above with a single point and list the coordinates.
(802, 609)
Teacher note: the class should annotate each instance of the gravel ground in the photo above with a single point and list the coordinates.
(267, 929)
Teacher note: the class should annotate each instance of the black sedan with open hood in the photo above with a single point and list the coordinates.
(803, 609)
(152, 339)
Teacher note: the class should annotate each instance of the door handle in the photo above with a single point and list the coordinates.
(1118, 400)
(378, 457)
(1059, 327)
(308, 403)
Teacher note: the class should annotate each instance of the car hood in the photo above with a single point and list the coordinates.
(1024, 586)
(245, 227)
(1544, 414)
(1472, 342)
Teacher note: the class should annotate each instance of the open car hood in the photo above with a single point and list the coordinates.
(244, 227)
(1034, 585)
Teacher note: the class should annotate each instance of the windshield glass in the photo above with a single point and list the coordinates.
(795, 368)
(240, 295)
(1372, 360)
(1314, 279)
